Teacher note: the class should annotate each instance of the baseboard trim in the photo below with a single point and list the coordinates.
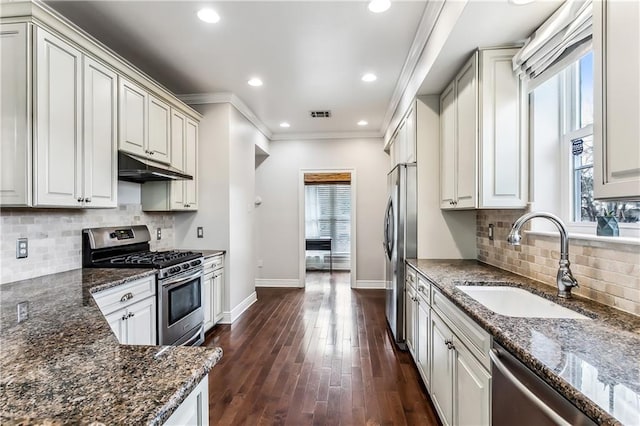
(370, 284)
(287, 283)
(229, 317)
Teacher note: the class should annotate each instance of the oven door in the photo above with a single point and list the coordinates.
(180, 306)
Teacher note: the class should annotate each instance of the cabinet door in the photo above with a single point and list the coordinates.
(472, 389)
(118, 323)
(100, 140)
(447, 147)
(178, 133)
(159, 143)
(441, 369)
(466, 106)
(410, 319)
(141, 322)
(208, 301)
(218, 294)
(194, 410)
(15, 124)
(58, 150)
(616, 47)
(133, 118)
(502, 148)
(191, 164)
(422, 342)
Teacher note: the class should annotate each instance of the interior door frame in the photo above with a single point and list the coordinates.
(301, 223)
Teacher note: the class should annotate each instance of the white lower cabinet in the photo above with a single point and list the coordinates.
(130, 310)
(451, 353)
(194, 410)
(212, 291)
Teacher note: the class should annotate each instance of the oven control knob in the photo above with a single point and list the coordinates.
(113, 235)
(175, 269)
(196, 262)
(185, 266)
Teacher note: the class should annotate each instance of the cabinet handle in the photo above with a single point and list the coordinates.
(130, 315)
(187, 205)
(449, 344)
(421, 288)
(146, 151)
(124, 317)
(126, 297)
(151, 152)
(87, 200)
(80, 199)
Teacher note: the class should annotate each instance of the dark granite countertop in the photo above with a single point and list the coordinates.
(63, 365)
(593, 363)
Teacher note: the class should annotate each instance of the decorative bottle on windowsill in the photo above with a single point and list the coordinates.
(607, 225)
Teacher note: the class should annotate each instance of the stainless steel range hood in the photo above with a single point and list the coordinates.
(132, 168)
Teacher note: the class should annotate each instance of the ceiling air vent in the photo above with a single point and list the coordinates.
(320, 114)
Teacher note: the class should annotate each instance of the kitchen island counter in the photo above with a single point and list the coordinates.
(594, 362)
(64, 365)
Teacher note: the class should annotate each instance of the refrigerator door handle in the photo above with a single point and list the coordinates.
(388, 239)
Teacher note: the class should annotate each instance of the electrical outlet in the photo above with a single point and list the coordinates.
(23, 311)
(491, 231)
(22, 248)
(200, 232)
(159, 234)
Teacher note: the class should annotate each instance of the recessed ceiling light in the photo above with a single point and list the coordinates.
(520, 2)
(255, 82)
(369, 77)
(379, 6)
(285, 124)
(208, 15)
(362, 123)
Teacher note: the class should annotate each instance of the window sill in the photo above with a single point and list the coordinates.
(573, 235)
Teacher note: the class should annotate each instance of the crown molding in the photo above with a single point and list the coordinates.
(326, 135)
(227, 98)
(407, 75)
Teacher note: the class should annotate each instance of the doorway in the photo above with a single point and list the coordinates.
(327, 225)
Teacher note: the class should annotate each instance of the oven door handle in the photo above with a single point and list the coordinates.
(175, 282)
(194, 338)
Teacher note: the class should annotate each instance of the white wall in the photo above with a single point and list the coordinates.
(277, 219)
(226, 195)
(441, 234)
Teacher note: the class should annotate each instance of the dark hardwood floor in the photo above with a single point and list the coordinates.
(317, 356)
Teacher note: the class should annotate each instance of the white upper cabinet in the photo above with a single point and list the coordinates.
(133, 118)
(15, 123)
(58, 139)
(402, 148)
(100, 135)
(616, 45)
(145, 123)
(177, 194)
(159, 143)
(483, 135)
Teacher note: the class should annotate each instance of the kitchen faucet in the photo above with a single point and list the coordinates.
(565, 279)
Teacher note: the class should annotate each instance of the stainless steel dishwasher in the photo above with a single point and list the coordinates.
(520, 397)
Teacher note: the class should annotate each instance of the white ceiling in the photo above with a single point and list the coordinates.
(310, 54)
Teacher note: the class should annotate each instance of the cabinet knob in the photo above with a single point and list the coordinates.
(151, 152)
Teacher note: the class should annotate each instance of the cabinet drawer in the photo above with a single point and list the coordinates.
(424, 289)
(411, 277)
(474, 337)
(213, 263)
(124, 295)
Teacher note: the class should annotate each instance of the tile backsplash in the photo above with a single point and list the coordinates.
(54, 235)
(606, 272)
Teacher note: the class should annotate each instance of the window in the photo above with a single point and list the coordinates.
(328, 215)
(562, 152)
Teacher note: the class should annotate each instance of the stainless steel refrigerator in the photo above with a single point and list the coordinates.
(400, 235)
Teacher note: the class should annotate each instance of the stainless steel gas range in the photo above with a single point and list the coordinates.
(179, 278)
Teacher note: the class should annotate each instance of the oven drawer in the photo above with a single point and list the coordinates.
(115, 298)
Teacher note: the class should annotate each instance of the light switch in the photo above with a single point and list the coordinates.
(200, 232)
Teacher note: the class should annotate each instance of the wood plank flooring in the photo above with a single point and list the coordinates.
(315, 356)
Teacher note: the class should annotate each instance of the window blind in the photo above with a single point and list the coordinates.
(569, 27)
(328, 214)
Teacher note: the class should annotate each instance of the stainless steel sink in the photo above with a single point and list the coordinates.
(517, 302)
